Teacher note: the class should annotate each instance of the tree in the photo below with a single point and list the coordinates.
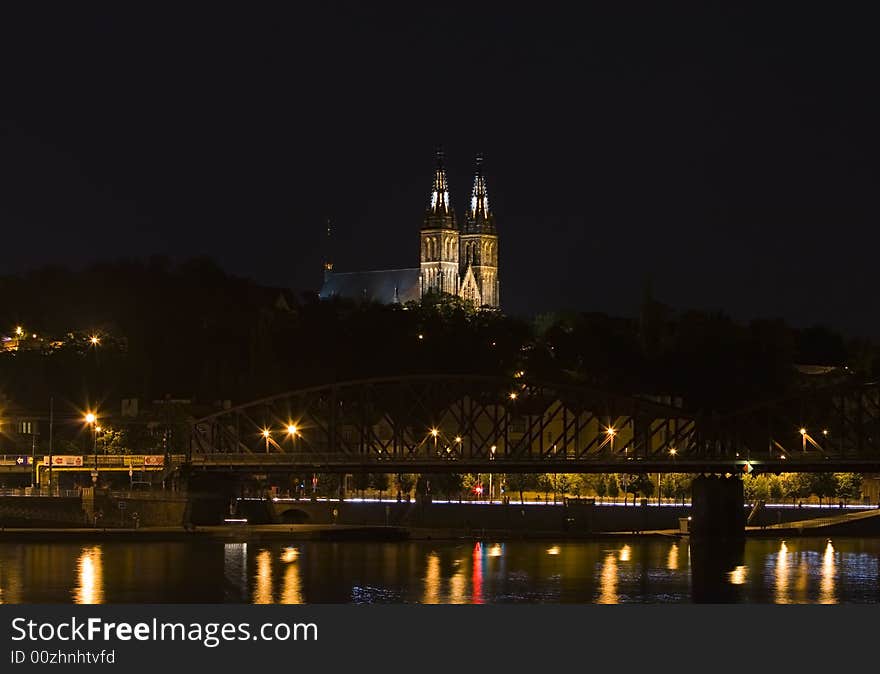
(849, 486)
(547, 484)
(519, 482)
(379, 481)
(776, 487)
(823, 485)
(639, 484)
(756, 487)
(613, 486)
(448, 484)
(600, 485)
(360, 482)
(405, 483)
(795, 485)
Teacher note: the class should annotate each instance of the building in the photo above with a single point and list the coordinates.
(460, 261)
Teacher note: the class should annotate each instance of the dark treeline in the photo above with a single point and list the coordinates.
(191, 330)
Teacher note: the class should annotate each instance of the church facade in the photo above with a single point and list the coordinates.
(457, 260)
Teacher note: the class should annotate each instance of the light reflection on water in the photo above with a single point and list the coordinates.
(605, 571)
(90, 577)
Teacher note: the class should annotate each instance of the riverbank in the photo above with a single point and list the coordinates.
(227, 533)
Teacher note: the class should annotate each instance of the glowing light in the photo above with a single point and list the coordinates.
(435, 432)
(625, 553)
(803, 431)
(782, 457)
(738, 575)
(495, 550)
(608, 581)
(458, 438)
(610, 431)
(826, 587)
(90, 577)
(512, 395)
(263, 586)
(493, 448)
(291, 593)
(825, 432)
(553, 551)
(432, 580)
(781, 593)
(19, 331)
(292, 429)
(98, 429)
(95, 340)
(289, 555)
(421, 336)
(673, 451)
(477, 574)
(266, 433)
(672, 558)
(90, 418)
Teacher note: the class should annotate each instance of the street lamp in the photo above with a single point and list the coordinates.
(611, 432)
(95, 340)
(804, 438)
(91, 420)
(266, 433)
(491, 458)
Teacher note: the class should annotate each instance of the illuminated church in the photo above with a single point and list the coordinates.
(460, 261)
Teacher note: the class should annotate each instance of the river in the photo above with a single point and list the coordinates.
(625, 570)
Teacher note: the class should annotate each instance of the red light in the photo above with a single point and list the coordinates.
(478, 489)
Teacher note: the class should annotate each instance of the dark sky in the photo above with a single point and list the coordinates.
(729, 156)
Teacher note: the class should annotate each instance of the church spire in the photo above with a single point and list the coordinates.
(440, 214)
(479, 218)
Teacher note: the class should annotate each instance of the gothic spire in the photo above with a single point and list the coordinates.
(440, 213)
(479, 219)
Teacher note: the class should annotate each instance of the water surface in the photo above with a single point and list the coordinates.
(640, 570)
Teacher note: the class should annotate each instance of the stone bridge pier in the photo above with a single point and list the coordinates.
(717, 508)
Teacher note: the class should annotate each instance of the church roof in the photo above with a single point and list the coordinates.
(384, 285)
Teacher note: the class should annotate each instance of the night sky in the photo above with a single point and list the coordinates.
(729, 157)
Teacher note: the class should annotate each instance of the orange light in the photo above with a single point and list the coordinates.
(803, 431)
(90, 418)
(610, 431)
(291, 429)
(435, 432)
(95, 340)
(513, 395)
(266, 433)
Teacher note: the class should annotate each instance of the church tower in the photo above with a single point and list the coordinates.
(439, 266)
(478, 248)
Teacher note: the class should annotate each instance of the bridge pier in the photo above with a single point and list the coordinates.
(717, 507)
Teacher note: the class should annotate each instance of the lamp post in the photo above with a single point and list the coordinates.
(266, 434)
(33, 456)
(804, 439)
(491, 458)
(91, 420)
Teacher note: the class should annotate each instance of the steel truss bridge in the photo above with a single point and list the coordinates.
(452, 423)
